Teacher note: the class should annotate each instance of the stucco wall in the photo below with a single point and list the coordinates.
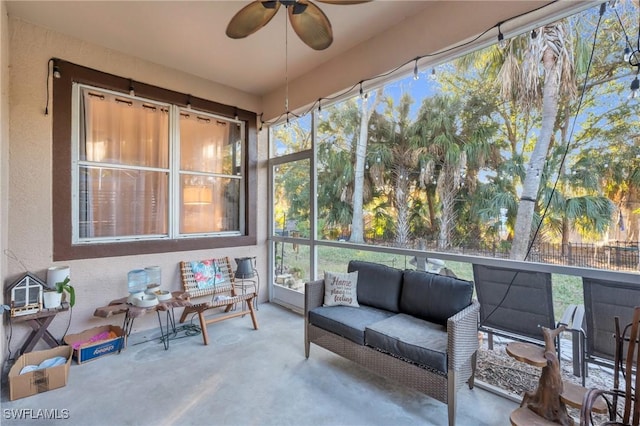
(96, 281)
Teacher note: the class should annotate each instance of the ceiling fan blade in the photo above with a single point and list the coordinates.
(312, 26)
(343, 1)
(251, 18)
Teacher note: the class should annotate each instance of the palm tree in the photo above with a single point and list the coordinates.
(577, 203)
(617, 173)
(604, 127)
(478, 74)
(455, 141)
(337, 137)
(516, 73)
(395, 129)
(335, 177)
(552, 48)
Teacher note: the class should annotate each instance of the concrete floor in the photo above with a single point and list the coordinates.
(243, 377)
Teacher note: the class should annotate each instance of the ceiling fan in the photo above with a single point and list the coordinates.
(307, 20)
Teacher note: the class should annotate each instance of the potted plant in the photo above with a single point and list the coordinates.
(53, 298)
(63, 286)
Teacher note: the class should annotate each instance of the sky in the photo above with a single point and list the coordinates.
(426, 86)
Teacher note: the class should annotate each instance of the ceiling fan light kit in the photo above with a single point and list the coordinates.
(308, 20)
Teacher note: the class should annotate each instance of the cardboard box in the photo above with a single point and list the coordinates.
(23, 385)
(94, 350)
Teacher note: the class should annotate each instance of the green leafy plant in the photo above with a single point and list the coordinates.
(63, 286)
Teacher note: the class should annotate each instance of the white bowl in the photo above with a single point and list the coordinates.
(145, 301)
(152, 289)
(133, 296)
(163, 295)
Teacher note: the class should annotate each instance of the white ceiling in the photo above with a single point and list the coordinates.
(190, 35)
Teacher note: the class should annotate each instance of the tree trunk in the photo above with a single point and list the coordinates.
(631, 219)
(357, 220)
(402, 207)
(432, 211)
(531, 184)
(448, 189)
(565, 235)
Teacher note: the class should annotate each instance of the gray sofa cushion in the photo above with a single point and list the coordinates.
(347, 321)
(416, 340)
(434, 297)
(378, 285)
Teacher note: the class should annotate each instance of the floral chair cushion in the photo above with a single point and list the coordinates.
(207, 273)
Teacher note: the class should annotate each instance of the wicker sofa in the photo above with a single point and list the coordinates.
(415, 327)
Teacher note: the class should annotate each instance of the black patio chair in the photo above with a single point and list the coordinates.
(516, 304)
(603, 301)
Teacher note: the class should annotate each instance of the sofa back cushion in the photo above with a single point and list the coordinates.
(378, 285)
(434, 297)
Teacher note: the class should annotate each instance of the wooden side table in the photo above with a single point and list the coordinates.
(39, 322)
(547, 405)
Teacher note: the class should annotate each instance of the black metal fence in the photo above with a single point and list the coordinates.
(613, 256)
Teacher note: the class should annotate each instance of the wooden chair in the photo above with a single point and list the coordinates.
(623, 400)
(220, 286)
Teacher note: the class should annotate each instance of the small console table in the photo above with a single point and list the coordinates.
(120, 306)
(39, 322)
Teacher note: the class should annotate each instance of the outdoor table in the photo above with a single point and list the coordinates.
(39, 322)
(120, 306)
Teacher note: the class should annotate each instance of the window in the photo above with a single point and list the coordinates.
(292, 136)
(125, 171)
(210, 174)
(153, 171)
(122, 167)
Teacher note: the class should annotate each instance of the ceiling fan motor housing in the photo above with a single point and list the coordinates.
(297, 6)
